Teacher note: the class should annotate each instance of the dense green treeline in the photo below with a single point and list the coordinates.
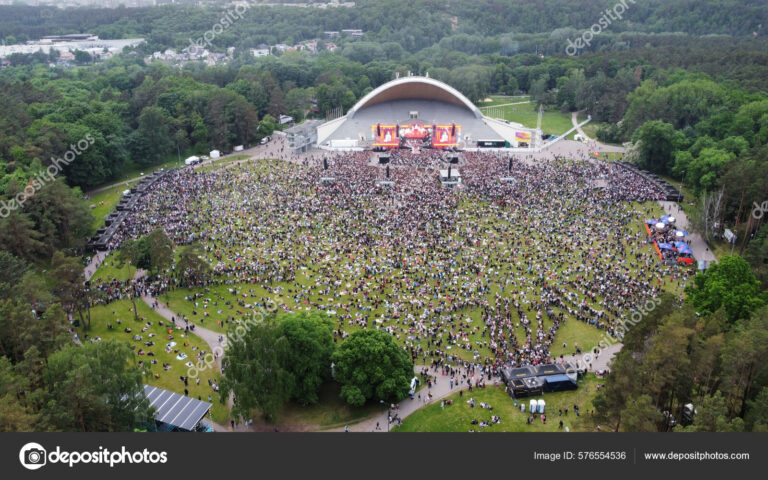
(710, 352)
(413, 24)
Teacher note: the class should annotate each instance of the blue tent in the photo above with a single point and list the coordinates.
(686, 234)
(683, 247)
(666, 246)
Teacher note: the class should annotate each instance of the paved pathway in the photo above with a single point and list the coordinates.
(594, 144)
(95, 263)
(442, 388)
(209, 336)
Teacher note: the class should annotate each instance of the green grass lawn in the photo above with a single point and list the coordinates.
(109, 270)
(503, 99)
(104, 202)
(215, 314)
(218, 308)
(155, 374)
(457, 417)
(575, 332)
(553, 121)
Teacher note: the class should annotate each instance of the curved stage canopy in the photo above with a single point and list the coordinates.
(415, 88)
(422, 101)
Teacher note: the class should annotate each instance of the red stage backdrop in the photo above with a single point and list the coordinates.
(446, 136)
(386, 136)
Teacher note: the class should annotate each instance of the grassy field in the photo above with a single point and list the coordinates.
(220, 306)
(575, 333)
(104, 202)
(553, 121)
(156, 375)
(109, 270)
(458, 416)
(503, 99)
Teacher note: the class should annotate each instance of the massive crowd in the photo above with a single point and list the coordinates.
(488, 272)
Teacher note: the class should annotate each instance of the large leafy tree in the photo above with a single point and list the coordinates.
(728, 283)
(255, 370)
(745, 362)
(95, 387)
(19, 237)
(15, 412)
(657, 142)
(159, 251)
(310, 337)
(370, 366)
(12, 268)
(277, 360)
(151, 141)
(22, 328)
(192, 267)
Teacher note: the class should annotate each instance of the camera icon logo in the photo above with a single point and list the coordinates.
(32, 456)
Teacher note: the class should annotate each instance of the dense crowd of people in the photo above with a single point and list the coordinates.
(485, 273)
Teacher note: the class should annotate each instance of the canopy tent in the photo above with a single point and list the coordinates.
(682, 233)
(666, 246)
(683, 247)
(174, 409)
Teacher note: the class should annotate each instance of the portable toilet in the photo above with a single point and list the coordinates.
(541, 405)
(522, 407)
(533, 405)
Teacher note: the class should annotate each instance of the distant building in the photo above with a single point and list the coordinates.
(331, 34)
(72, 37)
(260, 52)
(302, 137)
(353, 32)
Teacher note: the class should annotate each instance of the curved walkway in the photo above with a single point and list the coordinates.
(209, 336)
(441, 388)
(594, 144)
